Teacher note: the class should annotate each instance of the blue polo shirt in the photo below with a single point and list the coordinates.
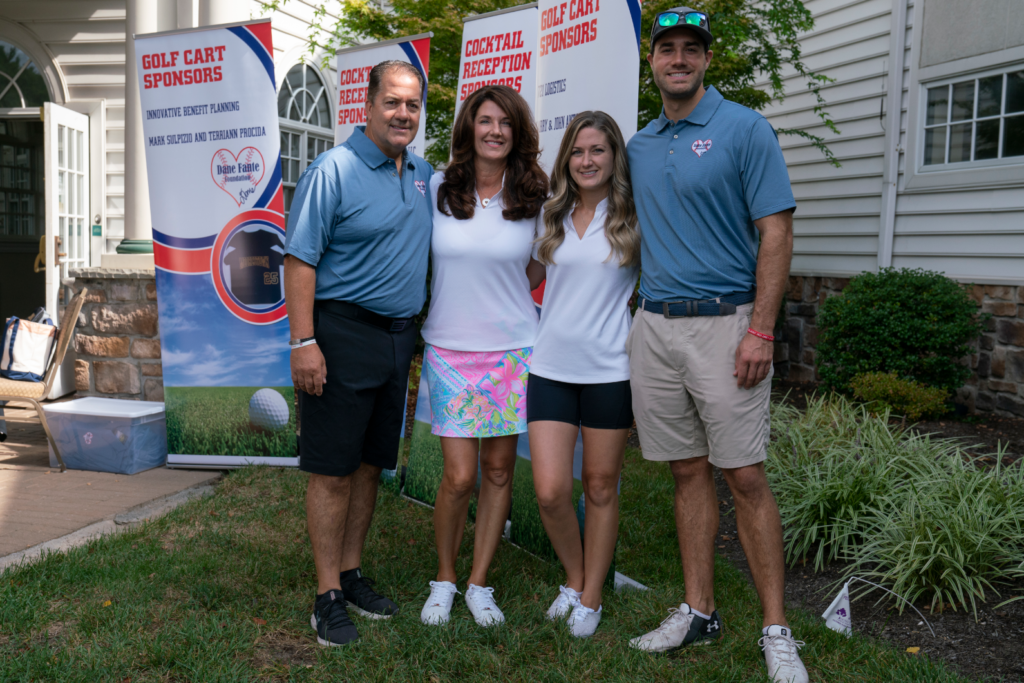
(699, 185)
(366, 230)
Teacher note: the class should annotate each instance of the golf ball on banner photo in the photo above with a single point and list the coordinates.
(268, 409)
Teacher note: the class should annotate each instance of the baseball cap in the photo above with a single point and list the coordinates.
(682, 17)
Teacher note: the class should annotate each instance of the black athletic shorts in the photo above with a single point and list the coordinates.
(598, 406)
(359, 416)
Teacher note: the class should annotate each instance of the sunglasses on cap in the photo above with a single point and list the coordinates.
(670, 18)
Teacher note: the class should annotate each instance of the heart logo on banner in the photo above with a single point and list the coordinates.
(701, 146)
(238, 174)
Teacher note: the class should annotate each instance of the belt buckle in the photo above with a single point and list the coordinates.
(665, 310)
(397, 325)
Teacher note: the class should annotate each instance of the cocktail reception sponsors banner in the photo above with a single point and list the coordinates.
(499, 48)
(588, 58)
(354, 66)
(209, 114)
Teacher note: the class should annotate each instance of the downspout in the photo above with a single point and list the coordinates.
(894, 96)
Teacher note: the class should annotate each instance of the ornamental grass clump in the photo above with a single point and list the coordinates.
(912, 511)
(828, 466)
(951, 540)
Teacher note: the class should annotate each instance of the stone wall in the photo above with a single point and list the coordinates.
(797, 334)
(997, 384)
(118, 335)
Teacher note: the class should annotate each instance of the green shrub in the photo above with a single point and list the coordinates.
(915, 323)
(902, 396)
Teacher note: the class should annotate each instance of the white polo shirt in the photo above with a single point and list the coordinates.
(479, 293)
(585, 320)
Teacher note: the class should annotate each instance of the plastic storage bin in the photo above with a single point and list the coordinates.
(108, 434)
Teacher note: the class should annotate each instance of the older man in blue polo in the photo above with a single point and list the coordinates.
(355, 275)
(715, 207)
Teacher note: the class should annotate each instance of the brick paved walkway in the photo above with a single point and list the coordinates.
(38, 504)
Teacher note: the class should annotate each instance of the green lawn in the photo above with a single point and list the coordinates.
(215, 421)
(222, 588)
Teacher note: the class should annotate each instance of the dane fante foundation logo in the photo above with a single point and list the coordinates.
(701, 147)
(238, 174)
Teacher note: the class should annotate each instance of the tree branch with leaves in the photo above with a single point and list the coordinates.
(754, 39)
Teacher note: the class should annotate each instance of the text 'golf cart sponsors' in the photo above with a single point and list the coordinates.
(191, 73)
(568, 36)
(505, 57)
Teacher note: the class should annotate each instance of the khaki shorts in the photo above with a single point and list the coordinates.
(685, 398)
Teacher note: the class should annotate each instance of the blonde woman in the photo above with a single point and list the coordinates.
(590, 253)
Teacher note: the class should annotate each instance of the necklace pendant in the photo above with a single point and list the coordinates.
(485, 202)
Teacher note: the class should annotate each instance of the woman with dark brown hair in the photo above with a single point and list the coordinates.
(480, 330)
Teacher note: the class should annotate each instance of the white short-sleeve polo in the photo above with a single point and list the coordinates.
(479, 293)
(585, 320)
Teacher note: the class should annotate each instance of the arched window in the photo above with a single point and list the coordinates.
(21, 84)
(21, 147)
(306, 125)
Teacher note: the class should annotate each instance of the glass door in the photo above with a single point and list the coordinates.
(66, 173)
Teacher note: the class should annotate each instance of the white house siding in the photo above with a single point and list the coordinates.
(86, 39)
(836, 225)
(973, 234)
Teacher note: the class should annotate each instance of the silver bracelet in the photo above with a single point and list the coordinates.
(302, 342)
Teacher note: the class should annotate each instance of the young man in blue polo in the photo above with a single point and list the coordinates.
(355, 275)
(710, 183)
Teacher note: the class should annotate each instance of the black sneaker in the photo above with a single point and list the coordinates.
(330, 620)
(363, 600)
(681, 627)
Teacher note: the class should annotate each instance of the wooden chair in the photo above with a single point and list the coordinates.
(34, 392)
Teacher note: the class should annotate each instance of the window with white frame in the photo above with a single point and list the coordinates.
(976, 121)
(306, 125)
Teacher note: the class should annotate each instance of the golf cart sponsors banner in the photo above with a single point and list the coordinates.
(499, 48)
(209, 114)
(588, 54)
(354, 66)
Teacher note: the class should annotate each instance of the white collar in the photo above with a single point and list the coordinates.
(596, 223)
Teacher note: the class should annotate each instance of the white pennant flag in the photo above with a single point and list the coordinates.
(837, 617)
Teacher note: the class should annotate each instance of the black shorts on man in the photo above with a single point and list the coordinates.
(358, 418)
(596, 406)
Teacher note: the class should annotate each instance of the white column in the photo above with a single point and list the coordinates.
(142, 16)
(213, 12)
(188, 13)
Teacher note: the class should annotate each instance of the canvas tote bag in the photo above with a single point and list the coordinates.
(27, 347)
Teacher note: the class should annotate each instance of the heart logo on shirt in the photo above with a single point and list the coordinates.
(701, 146)
(237, 174)
(421, 185)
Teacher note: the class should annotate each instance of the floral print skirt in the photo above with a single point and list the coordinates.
(477, 394)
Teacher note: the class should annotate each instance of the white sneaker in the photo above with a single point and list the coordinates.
(781, 654)
(681, 627)
(438, 607)
(583, 621)
(480, 601)
(563, 604)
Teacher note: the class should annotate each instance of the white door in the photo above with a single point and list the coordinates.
(66, 171)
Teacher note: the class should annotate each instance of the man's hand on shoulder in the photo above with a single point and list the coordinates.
(753, 361)
(309, 370)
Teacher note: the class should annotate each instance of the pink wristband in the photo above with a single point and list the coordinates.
(761, 335)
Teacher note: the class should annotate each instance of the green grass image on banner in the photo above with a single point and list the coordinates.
(426, 464)
(215, 421)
